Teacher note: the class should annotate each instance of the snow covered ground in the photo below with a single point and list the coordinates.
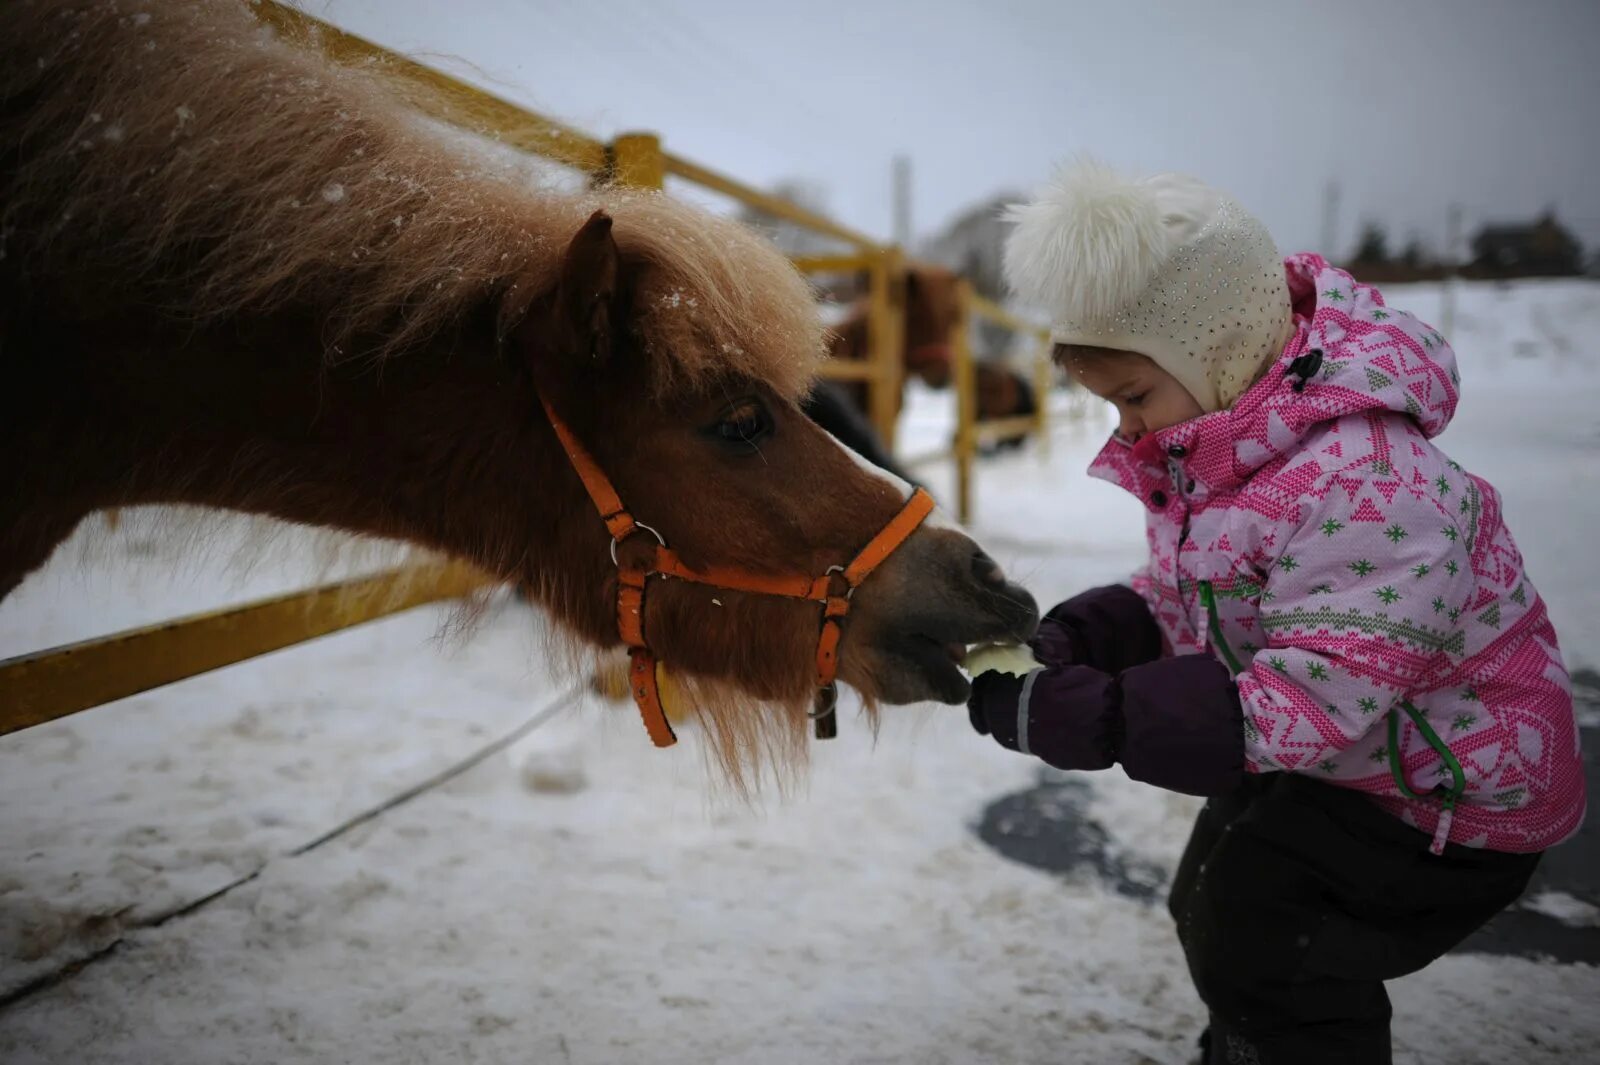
(580, 897)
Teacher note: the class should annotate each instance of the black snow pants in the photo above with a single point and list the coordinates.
(1295, 900)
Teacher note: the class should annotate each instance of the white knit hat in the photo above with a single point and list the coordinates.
(1162, 265)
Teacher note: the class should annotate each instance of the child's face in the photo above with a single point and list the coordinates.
(1147, 398)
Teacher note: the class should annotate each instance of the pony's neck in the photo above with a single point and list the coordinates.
(252, 417)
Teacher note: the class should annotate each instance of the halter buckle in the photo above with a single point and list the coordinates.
(850, 589)
(824, 722)
(637, 526)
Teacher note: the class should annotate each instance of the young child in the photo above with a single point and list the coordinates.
(1334, 639)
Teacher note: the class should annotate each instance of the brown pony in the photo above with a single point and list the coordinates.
(233, 274)
(932, 307)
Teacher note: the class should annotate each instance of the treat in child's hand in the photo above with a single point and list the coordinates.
(1015, 659)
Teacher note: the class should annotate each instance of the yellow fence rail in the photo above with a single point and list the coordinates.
(766, 203)
(441, 96)
(47, 685)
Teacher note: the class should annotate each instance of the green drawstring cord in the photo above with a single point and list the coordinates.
(1458, 778)
(1209, 598)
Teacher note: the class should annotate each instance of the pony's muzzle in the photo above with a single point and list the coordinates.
(925, 605)
(1011, 602)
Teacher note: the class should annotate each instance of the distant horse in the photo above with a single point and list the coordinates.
(831, 405)
(932, 308)
(237, 275)
(1003, 393)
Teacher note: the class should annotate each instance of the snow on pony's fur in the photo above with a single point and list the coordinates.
(1092, 239)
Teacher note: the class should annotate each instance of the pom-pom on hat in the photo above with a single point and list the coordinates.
(1162, 265)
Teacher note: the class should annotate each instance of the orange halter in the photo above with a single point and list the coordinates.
(833, 589)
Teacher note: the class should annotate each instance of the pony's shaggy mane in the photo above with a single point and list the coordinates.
(194, 158)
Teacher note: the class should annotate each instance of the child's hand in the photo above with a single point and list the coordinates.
(1175, 722)
(1055, 643)
(1109, 628)
(1053, 646)
(1067, 715)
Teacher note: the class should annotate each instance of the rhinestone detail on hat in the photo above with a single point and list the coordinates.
(1220, 299)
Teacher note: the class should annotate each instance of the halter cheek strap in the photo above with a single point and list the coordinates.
(834, 589)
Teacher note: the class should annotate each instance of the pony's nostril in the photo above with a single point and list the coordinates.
(1009, 602)
(987, 570)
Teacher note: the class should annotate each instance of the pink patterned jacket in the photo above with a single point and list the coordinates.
(1363, 588)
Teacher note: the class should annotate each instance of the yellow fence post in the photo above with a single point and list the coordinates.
(966, 383)
(894, 362)
(637, 160)
(885, 327)
(1041, 391)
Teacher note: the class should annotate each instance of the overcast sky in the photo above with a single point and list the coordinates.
(1408, 104)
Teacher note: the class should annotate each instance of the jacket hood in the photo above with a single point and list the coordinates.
(1349, 353)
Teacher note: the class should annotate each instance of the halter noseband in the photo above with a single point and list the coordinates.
(833, 589)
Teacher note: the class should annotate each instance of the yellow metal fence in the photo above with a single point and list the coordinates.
(972, 430)
(40, 687)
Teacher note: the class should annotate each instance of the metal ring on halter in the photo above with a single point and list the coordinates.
(831, 570)
(636, 527)
(824, 702)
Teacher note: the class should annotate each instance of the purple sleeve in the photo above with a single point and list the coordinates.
(1183, 726)
(1110, 629)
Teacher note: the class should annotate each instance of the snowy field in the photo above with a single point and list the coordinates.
(578, 897)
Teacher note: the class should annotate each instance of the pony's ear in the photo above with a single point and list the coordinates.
(586, 295)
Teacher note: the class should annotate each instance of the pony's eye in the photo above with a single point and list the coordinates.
(746, 423)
